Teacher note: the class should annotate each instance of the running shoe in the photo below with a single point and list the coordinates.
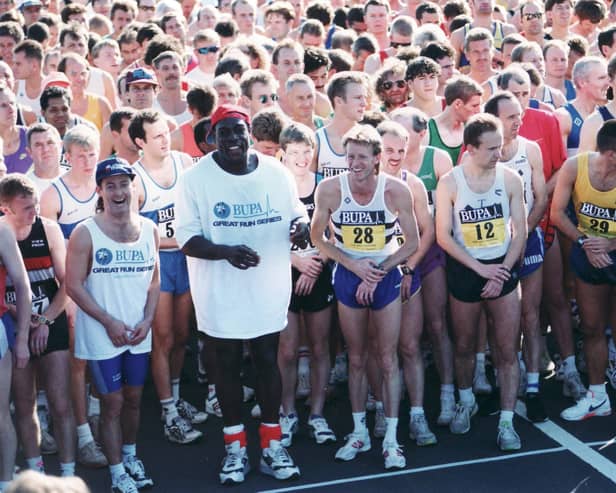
(235, 465)
(320, 430)
(481, 385)
(277, 462)
(190, 413)
(559, 367)
(303, 384)
(507, 438)
(448, 410)
(610, 371)
(212, 406)
(394, 458)
(588, 407)
(91, 455)
(49, 445)
(255, 412)
(380, 427)
(573, 386)
(356, 442)
(288, 426)
(341, 373)
(181, 431)
(420, 431)
(535, 410)
(461, 422)
(371, 403)
(248, 393)
(134, 467)
(124, 484)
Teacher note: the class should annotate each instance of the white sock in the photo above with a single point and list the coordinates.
(94, 406)
(447, 390)
(391, 432)
(378, 405)
(232, 430)
(416, 411)
(169, 409)
(480, 358)
(84, 435)
(506, 417)
(36, 464)
(211, 390)
(175, 389)
(128, 450)
(598, 390)
(359, 421)
(116, 471)
(467, 397)
(532, 382)
(67, 469)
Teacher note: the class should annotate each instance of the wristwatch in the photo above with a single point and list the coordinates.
(580, 240)
(41, 319)
(407, 271)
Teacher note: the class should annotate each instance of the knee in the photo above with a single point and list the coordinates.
(287, 353)
(409, 350)
(112, 405)
(388, 362)
(357, 361)
(163, 343)
(320, 349)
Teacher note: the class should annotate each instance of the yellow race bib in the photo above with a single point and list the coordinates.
(363, 238)
(483, 227)
(597, 221)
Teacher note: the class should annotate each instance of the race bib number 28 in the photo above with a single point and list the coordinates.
(364, 238)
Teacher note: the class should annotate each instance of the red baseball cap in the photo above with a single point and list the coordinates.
(227, 111)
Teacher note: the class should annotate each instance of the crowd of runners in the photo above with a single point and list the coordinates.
(328, 192)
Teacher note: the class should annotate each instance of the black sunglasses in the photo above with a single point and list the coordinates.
(393, 44)
(207, 49)
(400, 84)
(534, 15)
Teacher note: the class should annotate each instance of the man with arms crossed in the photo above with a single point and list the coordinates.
(481, 225)
(363, 207)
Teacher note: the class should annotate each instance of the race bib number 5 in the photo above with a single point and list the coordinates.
(364, 238)
(166, 219)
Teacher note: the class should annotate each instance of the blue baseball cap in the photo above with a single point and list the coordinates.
(113, 166)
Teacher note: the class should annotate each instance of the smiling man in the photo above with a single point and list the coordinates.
(238, 214)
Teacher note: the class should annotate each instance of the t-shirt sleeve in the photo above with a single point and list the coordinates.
(187, 210)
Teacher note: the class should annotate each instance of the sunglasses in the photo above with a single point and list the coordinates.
(393, 44)
(263, 99)
(147, 8)
(400, 84)
(207, 49)
(535, 15)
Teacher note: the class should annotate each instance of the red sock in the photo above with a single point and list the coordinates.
(267, 433)
(232, 437)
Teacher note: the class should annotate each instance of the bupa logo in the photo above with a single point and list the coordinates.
(103, 256)
(222, 210)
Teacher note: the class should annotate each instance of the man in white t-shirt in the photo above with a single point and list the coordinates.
(237, 214)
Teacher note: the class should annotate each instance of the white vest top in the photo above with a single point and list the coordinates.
(481, 221)
(329, 162)
(521, 165)
(119, 280)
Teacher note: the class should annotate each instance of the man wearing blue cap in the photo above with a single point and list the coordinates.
(237, 214)
(113, 257)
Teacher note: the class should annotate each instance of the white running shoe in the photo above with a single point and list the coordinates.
(394, 458)
(380, 427)
(320, 431)
(448, 410)
(356, 442)
(49, 446)
(212, 406)
(134, 468)
(461, 422)
(588, 407)
(124, 484)
(277, 462)
(420, 431)
(573, 386)
(190, 413)
(507, 438)
(180, 431)
(289, 425)
(481, 385)
(235, 465)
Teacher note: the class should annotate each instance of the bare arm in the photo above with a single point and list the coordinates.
(57, 248)
(560, 201)
(588, 133)
(517, 213)
(425, 222)
(16, 270)
(50, 204)
(564, 121)
(538, 184)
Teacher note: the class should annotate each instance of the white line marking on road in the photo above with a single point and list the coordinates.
(405, 472)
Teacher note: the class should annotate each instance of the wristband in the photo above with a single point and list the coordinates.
(407, 271)
(41, 319)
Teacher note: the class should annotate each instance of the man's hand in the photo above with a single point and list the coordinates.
(300, 233)
(496, 272)
(365, 293)
(304, 285)
(311, 266)
(119, 333)
(492, 288)
(367, 270)
(596, 245)
(242, 257)
(139, 333)
(39, 335)
(405, 287)
(598, 260)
